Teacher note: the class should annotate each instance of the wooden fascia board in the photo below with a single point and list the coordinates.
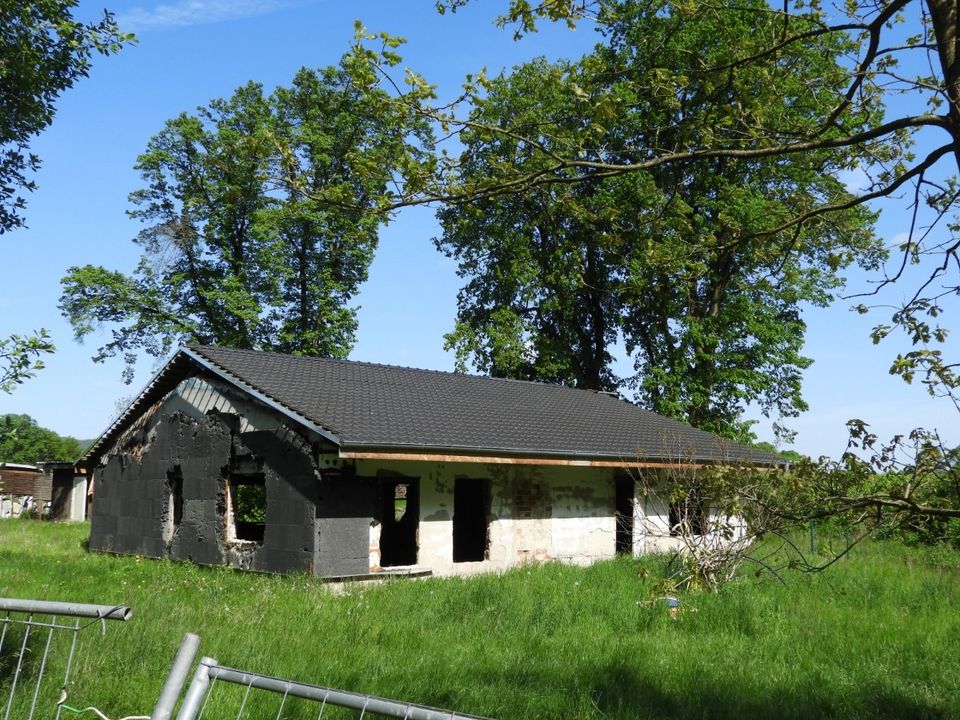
(514, 460)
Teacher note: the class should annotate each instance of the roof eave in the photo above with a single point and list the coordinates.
(397, 451)
(262, 397)
(97, 449)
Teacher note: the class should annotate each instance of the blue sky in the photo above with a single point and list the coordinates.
(192, 51)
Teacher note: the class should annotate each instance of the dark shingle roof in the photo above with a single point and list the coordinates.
(383, 406)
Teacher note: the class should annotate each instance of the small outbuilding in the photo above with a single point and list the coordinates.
(280, 463)
(22, 486)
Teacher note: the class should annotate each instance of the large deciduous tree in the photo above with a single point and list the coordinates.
(893, 102)
(44, 50)
(260, 222)
(688, 263)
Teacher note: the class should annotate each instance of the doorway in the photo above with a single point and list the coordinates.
(625, 496)
(471, 520)
(399, 521)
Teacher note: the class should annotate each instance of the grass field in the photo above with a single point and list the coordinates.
(877, 636)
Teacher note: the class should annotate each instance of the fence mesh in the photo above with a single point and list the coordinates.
(222, 693)
(39, 646)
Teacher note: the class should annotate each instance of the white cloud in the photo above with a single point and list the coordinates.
(195, 12)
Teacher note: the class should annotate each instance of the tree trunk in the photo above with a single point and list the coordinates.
(944, 16)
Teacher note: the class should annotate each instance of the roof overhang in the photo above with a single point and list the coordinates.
(167, 378)
(512, 460)
(270, 402)
(520, 457)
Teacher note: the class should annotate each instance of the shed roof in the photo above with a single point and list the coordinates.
(369, 406)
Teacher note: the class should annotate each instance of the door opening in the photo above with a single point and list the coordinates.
(399, 522)
(471, 520)
(625, 496)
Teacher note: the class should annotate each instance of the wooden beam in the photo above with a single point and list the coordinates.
(501, 460)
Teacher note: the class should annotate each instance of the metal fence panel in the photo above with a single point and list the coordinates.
(324, 700)
(38, 646)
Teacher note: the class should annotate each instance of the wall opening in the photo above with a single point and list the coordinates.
(174, 502)
(399, 522)
(247, 515)
(623, 512)
(471, 520)
(689, 516)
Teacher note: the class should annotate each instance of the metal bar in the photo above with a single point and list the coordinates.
(354, 701)
(197, 690)
(43, 666)
(243, 704)
(3, 634)
(66, 674)
(52, 624)
(177, 677)
(16, 673)
(42, 607)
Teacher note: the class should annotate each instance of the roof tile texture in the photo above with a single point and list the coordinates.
(372, 405)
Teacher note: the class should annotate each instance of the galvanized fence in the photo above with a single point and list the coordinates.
(209, 696)
(40, 641)
(38, 648)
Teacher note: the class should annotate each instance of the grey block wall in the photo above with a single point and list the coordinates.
(291, 485)
(345, 511)
(132, 496)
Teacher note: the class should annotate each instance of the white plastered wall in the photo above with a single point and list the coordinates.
(651, 533)
(537, 513)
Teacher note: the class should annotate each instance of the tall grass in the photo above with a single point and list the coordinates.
(877, 636)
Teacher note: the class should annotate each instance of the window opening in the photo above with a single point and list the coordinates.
(689, 516)
(399, 522)
(471, 520)
(174, 502)
(248, 503)
(399, 501)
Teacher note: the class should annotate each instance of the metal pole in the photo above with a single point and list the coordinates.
(179, 671)
(42, 607)
(198, 688)
(813, 542)
(355, 701)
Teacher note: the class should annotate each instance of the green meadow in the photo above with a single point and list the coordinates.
(876, 636)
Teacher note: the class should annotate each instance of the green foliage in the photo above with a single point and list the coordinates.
(21, 357)
(43, 52)
(262, 215)
(694, 265)
(788, 455)
(250, 503)
(867, 112)
(23, 441)
(875, 637)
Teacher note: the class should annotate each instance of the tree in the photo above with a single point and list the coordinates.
(676, 260)
(895, 92)
(21, 357)
(23, 441)
(237, 253)
(43, 52)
